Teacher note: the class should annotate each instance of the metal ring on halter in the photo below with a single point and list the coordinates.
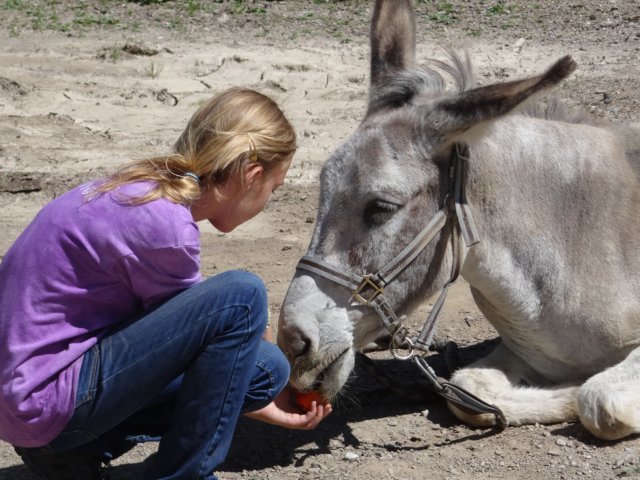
(394, 349)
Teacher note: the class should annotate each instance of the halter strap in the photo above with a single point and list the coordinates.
(331, 272)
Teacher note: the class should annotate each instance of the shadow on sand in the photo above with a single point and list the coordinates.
(379, 388)
(400, 390)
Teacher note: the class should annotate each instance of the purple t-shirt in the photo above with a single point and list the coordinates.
(77, 271)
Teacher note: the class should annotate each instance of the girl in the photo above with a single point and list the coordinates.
(108, 334)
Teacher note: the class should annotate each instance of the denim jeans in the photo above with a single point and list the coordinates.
(182, 373)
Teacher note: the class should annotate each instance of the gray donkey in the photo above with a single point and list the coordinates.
(537, 211)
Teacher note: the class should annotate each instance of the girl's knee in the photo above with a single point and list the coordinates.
(242, 289)
(240, 281)
(242, 277)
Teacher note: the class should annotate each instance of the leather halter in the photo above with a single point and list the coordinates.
(368, 289)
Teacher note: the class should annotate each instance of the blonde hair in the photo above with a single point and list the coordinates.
(234, 128)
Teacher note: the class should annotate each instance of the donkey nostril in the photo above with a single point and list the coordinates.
(300, 345)
(295, 343)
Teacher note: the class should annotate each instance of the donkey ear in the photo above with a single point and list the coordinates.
(393, 41)
(463, 111)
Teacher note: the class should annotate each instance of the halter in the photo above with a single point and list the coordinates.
(368, 289)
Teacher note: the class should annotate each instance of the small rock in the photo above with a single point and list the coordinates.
(624, 459)
(518, 45)
(350, 456)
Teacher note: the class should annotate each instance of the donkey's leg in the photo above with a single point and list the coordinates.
(504, 380)
(608, 402)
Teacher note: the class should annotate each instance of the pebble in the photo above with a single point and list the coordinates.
(624, 459)
(351, 456)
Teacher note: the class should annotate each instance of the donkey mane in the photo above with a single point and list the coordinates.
(552, 108)
(421, 83)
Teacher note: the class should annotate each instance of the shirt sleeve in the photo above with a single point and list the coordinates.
(157, 274)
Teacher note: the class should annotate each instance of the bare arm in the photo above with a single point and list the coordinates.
(285, 413)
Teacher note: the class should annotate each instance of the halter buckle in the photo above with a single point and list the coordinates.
(367, 282)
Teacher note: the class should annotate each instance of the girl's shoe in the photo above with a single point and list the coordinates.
(67, 465)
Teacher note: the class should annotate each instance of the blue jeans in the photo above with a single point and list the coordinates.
(182, 373)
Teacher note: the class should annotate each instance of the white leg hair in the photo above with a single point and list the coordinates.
(608, 403)
(502, 379)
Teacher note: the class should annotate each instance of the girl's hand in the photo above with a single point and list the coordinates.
(284, 412)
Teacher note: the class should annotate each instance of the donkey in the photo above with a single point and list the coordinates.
(554, 205)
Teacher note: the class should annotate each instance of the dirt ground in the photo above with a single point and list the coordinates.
(87, 85)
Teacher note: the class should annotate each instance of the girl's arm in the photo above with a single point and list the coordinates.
(285, 413)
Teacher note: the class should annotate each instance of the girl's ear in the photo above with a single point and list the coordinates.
(253, 172)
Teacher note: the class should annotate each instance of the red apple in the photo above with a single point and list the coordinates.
(304, 399)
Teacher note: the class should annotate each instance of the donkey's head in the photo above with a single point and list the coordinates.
(379, 190)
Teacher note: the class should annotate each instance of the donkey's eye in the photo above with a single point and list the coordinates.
(379, 211)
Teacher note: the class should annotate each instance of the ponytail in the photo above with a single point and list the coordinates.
(233, 129)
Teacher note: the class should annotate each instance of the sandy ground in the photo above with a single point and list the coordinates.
(85, 86)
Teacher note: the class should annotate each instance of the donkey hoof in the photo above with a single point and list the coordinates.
(474, 419)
